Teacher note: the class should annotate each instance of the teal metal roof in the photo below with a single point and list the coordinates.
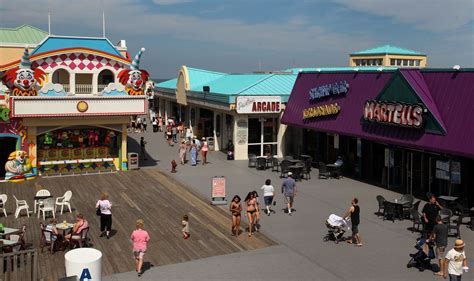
(388, 49)
(168, 84)
(338, 69)
(200, 77)
(226, 87)
(24, 34)
(61, 42)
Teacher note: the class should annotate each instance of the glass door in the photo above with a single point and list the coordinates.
(262, 136)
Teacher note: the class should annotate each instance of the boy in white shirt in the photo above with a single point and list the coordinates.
(455, 262)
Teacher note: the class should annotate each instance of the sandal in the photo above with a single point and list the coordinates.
(359, 245)
(349, 241)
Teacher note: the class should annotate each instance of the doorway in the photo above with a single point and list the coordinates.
(8, 145)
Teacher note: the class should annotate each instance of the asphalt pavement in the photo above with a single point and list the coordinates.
(302, 254)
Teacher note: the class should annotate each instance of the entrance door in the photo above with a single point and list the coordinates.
(8, 145)
(414, 173)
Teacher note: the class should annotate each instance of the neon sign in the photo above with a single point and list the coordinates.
(337, 88)
(400, 114)
(321, 110)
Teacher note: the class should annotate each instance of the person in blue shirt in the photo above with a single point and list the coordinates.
(288, 188)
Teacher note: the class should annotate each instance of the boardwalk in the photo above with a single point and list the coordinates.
(149, 194)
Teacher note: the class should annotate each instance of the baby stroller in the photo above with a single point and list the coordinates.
(422, 258)
(335, 225)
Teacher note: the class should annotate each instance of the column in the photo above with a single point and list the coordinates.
(72, 82)
(32, 148)
(216, 139)
(123, 161)
(281, 141)
(240, 137)
(95, 83)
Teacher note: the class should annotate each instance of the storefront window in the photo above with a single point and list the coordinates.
(255, 130)
(218, 125)
(78, 143)
(270, 130)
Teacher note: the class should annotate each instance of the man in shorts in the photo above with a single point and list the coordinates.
(354, 214)
(440, 237)
(288, 188)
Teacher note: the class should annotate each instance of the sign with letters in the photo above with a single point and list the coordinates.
(394, 113)
(218, 191)
(336, 88)
(258, 104)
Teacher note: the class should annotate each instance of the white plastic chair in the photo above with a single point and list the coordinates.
(3, 200)
(47, 206)
(64, 201)
(21, 205)
(42, 192)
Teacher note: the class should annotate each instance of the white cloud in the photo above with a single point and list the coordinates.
(171, 2)
(433, 15)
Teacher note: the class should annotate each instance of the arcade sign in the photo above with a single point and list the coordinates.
(394, 113)
(258, 104)
(336, 88)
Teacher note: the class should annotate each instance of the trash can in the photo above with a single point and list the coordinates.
(210, 143)
(85, 263)
(132, 161)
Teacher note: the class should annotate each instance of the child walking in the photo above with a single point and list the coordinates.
(185, 225)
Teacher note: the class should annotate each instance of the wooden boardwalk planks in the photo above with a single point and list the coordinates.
(149, 194)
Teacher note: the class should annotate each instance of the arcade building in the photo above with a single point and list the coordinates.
(65, 104)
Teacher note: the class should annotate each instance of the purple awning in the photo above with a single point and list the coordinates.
(448, 95)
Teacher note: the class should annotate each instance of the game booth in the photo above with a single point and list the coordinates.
(46, 131)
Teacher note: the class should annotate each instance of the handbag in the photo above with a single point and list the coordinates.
(98, 212)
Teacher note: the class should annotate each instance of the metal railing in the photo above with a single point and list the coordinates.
(101, 87)
(66, 87)
(22, 265)
(83, 89)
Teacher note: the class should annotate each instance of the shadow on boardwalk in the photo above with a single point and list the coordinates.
(149, 194)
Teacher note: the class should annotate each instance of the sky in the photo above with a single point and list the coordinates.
(249, 35)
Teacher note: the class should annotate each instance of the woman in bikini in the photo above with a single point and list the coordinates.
(235, 209)
(251, 210)
(257, 213)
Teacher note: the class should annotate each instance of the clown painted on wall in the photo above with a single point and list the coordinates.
(18, 167)
(22, 80)
(134, 79)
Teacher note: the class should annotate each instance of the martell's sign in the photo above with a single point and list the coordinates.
(393, 113)
(258, 104)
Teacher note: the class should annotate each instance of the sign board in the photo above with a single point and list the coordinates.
(242, 131)
(218, 191)
(321, 110)
(456, 172)
(359, 147)
(258, 104)
(389, 158)
(442, 170)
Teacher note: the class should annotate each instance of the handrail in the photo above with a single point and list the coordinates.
(21, 265)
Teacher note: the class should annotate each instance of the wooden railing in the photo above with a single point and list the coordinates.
(100, 87)
(22, 265)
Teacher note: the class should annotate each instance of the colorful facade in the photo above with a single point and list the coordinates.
(405, 129)
(66, 106)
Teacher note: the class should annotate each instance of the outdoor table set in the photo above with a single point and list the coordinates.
(5, 243)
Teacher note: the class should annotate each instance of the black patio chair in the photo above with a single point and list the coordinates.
(275, 165)
(461, 208)
(446, 215)
(416, 205)
(323, 171)
(288, 157)
(408, 205)
(416, 217)
(380, 201)
(284, 168)
(455, 226)
(252, 160)
(389, 211)
(261, 163)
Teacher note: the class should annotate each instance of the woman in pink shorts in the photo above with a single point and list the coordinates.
(140, 240)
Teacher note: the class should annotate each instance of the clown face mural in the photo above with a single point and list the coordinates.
(22, 80)
(134, 79)
(18, 167)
